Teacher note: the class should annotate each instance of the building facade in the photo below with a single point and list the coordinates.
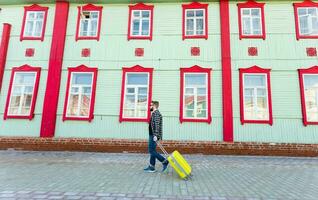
(224, 72)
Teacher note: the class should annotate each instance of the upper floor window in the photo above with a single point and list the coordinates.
(136, 94)
(306, 19)
(140, 21)
(88, 22)
(255, 95)
(195, 20)
(80, 93)
(251, 20)
(22, 92)
(34, 21)
(309, 94)
(195, 95)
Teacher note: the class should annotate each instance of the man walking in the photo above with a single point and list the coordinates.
(155, 134)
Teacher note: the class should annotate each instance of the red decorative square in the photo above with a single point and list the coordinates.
(29, 52)
(195, 51)
(252, 51)
(86, 52)
(139, 52)
(311, 51)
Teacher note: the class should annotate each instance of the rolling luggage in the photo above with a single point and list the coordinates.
(178, 163)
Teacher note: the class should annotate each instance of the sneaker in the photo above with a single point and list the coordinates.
(165, 166)
(150, 169)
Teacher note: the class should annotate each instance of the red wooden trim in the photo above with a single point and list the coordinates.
(81, 68)
(305, 3)
(136, 68)
(140, 6)
(89, 7)
(23, 68)
(301, 72)
(195, 69)
(54, 70)
(34, 7)
(251, 4)
(194, 5)
(4, 49)
(226, 72)
(256, 70)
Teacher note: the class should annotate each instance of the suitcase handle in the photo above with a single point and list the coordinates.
(162, 148)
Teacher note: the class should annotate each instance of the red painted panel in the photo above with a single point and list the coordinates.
(139, 52)
(29, 52)
(86, 52)
(311, 51)
(226, 72)
(54, 71)
(252, 51)
(4, 49)
(195, 51)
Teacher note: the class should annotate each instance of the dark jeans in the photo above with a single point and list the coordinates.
(153, 153)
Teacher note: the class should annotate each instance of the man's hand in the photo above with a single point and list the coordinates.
(155, 138)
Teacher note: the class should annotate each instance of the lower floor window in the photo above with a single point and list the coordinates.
(311, 96)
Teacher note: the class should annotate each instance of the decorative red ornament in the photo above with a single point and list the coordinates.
(195, 51)
(29, 52)
(252, 51)
(139, 52)
(311, 51)
(86, 52)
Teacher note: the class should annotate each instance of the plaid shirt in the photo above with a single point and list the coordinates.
(156, 124)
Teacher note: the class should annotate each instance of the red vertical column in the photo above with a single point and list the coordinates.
(54, 70)
(4, 49)
(226, 72)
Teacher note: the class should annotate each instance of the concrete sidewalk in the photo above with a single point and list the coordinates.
(75, 175)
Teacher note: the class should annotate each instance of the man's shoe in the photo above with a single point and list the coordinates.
(165, 166)
(150, 169)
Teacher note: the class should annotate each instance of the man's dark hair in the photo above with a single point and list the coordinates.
(155, 103)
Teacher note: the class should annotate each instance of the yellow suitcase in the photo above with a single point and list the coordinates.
(178, 163)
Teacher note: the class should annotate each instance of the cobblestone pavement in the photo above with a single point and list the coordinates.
(75, 175)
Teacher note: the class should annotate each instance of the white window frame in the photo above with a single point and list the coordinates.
(140, 18)
(255, 107)
(136, 88)
(251, 21)
(316, 92)
(28, 13)
(195, 96)
(194, 22)
(89, 24)
(80, 95)
(309, 21)
(22, 97)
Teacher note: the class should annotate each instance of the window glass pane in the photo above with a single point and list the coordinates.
(199, 26)
(190, 24)
(256, 26)
(145, 14)
(28, 28)
(24, 78)
(248, 92)
(31, 15)
(145, 27)
(201, 91)
(304, 26)
(201, 113)
(84, 107)
(312, 11)
(246, 26)
(40, 15)
(93, 28)
(130, 90)
(195, 79)
(190, 13)
(256, 12)
(38, 28)
(302, 11)
(94, 15)
(73, 105)
(254, 80)
(130, 101)
(189, 102)
(311, 97)
(137, 79)
(201, 102)
(136, 24)
(261, 103)
(84, 27)
(136, 13)
(199, 13)
(142, 90)
(246, 11)
(82, 78)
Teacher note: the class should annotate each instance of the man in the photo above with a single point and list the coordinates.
(155, 134)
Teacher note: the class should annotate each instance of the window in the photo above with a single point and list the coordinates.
(80, 93)
(308, 79)
(22, 92)
(195, 95)
(251, 20)
(136, 94)
(195, 20)
(255, 96)
(88, 22)
(34, 21)
(306, 19)
(140, 21)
